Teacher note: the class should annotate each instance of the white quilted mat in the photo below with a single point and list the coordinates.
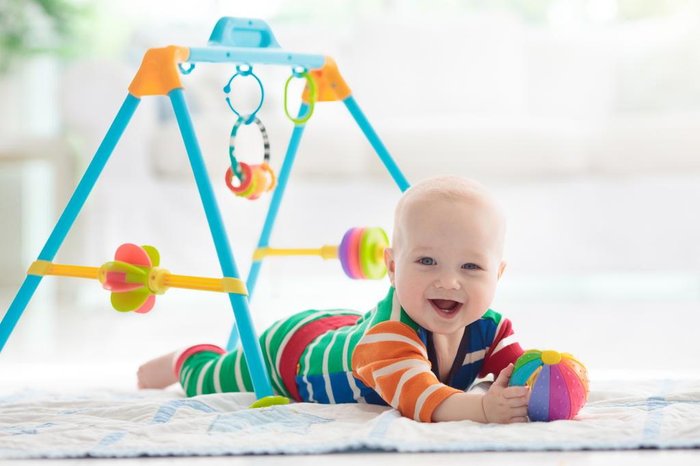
(35, 424)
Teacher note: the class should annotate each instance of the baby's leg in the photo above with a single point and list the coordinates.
(158, 372)
(205, 369)
(165, 370)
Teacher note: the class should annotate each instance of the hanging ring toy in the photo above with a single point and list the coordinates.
(244, 70)
(253, 180)
(311, 84)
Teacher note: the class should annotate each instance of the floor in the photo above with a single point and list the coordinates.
(595, 269)
(602, 458)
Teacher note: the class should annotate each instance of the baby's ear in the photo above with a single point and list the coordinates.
(390, 264)
(501, 269)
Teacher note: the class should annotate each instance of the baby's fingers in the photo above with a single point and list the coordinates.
(516, 392)
(504, 377)
(520, 411)
(517, 402)
(518, 414)
(519, 419)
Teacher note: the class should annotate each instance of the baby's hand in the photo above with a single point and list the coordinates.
(504, 404)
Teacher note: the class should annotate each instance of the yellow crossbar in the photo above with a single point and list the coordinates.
(49, 268)
(169, 280)
(327, 252)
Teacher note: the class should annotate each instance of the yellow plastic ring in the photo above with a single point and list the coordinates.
(372, 245)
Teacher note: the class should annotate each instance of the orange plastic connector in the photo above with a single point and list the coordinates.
(158, 73)
(330, 85)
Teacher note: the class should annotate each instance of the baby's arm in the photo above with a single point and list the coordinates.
(501, 404)
(392, 360)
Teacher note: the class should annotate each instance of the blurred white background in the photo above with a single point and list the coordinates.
(583, 116)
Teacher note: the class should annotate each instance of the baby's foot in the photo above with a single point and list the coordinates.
(157, 373)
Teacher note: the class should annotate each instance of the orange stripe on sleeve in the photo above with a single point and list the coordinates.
(391, 359)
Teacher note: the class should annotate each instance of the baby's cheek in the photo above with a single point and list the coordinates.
(482, 292)
(410, 302)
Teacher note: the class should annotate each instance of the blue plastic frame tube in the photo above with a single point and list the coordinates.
(254, 56)
(239, 303)
(70, 213)
(272, 211)
(376, 143)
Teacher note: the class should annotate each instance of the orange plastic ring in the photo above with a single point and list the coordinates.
(245, 182)
(354, 253)
(259, 184)
(272, 178)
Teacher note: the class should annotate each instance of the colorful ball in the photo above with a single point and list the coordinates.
(558, 384)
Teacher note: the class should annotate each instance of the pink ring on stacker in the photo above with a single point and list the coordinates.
(354, 256)
(344, 252)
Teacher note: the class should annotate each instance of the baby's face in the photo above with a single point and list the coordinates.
(446, 262)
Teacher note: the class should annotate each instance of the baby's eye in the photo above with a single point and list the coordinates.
(471, 266)
(426, 261)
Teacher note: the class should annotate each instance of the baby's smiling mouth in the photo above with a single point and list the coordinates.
(447, 306)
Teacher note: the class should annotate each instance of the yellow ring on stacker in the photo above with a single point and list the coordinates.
(372, 244)
(551, 357)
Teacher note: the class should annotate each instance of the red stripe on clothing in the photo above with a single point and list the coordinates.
(194, 350)
(289, 360)
(494, 363)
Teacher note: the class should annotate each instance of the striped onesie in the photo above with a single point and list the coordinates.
(339, 356)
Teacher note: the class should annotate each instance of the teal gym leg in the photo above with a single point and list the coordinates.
(272, 211)
(376, 143)
(251, 347)
(70, 213)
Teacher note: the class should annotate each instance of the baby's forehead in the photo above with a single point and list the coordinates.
(464, 218)
(445, 187)
(461, 203)
(423, 216)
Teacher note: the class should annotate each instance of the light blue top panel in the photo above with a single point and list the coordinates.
(243, 32)
(250, 41)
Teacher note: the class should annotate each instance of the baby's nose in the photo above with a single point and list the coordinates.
(448, 281)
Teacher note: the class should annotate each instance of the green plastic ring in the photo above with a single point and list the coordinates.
(372, 244)
(312, 97)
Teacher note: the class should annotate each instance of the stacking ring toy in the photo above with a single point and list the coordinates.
(361, 252)
(253, 180)
(558, 384)
(352, 256)
(372, 245)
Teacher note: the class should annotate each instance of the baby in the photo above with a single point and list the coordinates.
(418, 350)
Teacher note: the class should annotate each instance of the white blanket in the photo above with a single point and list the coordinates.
(624, 415)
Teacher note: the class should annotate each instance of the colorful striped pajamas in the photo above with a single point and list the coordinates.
(340, 356)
